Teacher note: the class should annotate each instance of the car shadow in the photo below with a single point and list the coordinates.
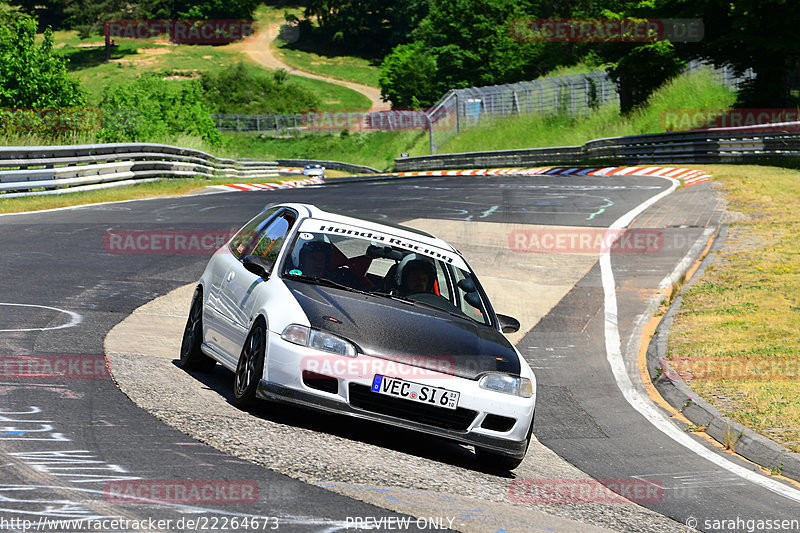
(220, 380)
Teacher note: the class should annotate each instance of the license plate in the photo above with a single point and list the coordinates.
(415, 392)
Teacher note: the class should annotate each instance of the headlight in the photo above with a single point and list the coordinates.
(305, 336)
(518, 386)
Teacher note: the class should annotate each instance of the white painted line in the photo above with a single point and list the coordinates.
(74, 318)
(687, 260)
(641, 403)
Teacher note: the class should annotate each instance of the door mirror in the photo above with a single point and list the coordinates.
(473, 299)
(467, 285)
(508, 324)
(260, 266)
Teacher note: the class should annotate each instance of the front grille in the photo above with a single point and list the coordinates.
(362, 397)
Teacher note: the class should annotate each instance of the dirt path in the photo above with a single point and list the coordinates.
(259, 47)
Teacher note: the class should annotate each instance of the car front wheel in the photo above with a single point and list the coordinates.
(250, 367)
(192, 357)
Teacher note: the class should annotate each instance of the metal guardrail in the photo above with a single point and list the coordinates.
(51, 167)
(25, 168)
(721, 145)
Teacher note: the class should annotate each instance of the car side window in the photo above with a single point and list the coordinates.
(242, 242)
(270, 240)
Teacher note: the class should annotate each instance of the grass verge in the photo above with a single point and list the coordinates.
(697, 90)
(737, 335)
(154, 189)
(375, 149)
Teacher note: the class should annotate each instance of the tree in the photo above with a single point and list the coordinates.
(89, 16)
(33, 75)
(638, 67)
(370, 27)
(409, 77)
(464, 43)
(757, 34)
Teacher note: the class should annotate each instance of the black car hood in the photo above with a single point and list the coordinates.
(402, 332)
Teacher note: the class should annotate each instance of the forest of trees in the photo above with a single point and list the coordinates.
(429, 46)
(426, 47)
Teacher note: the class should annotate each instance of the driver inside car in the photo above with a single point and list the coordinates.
(315, 260)
(417, 276)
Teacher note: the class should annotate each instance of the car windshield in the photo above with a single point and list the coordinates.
(415, 273)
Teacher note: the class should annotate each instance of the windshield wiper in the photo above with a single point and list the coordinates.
(393, 296)
(325, 281)
(424, 304)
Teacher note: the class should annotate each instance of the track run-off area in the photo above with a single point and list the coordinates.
(103, 291)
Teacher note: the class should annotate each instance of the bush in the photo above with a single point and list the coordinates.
(33, 75)
(242, 90)
(151, 109)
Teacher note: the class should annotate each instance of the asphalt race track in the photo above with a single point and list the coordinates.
(67, 443)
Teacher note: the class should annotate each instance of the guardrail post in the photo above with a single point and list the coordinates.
(458, 112)
(430, 134)
(555, 93)
(572, 99)
(588, 87)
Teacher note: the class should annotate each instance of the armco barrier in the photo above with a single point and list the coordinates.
(721, 145)
(23, 168)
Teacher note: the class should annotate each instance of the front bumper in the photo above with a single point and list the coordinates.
(272, 391)
(490, 420)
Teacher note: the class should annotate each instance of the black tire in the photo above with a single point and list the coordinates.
(250, 367)
(192, 357)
